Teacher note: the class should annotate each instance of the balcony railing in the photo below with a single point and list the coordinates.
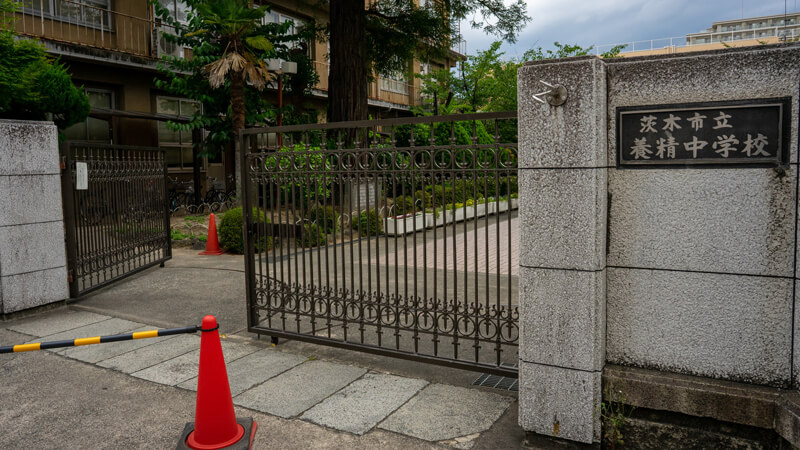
(381, 89)
(695, 39)
(83, 24)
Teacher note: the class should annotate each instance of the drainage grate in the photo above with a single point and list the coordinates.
(498, 382)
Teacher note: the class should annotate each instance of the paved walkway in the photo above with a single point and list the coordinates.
(487, 246)
(378, 403)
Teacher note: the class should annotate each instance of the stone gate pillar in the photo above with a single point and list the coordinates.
(563, 215)
(33, 268)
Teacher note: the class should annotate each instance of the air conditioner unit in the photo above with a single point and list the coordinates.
(166, 47)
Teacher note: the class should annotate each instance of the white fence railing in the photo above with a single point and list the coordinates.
(694, 39)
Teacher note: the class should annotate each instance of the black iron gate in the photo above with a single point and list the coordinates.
(116, 212)
(396, 237)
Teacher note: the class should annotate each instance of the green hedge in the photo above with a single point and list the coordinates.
(313, 236)
(368, 223)
(326, 217)
(230, 231)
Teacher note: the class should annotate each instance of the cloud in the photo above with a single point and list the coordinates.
(598, 22)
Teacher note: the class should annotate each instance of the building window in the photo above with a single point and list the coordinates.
(297, 24)
(84, 12)
(178, 144)
(94, 129)
(395, 83)
(177, 9)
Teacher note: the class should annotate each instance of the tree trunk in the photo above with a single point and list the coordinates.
(347, 82)
(237, 119)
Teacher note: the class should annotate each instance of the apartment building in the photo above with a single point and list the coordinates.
(112, 48)
(757, 28)
(728, 33)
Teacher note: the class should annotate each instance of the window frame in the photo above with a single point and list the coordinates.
(30, 7)
(85, 123)
(181, 145)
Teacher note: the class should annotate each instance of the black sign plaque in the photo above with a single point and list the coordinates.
(747, 132)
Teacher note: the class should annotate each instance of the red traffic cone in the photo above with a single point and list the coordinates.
(212, 243)
(215, 425)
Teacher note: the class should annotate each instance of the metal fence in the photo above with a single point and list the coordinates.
(115, 212)
(396, 237)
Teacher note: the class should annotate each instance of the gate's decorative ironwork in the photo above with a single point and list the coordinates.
(118, 223)
(396, 237)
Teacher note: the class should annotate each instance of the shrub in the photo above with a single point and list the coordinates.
(230, 231)
(369, 223)
(402, 205)
(313, 236)
(33, 85)
(423, 198)
(326, 217)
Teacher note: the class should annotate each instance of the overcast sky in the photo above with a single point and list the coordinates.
(598, 22)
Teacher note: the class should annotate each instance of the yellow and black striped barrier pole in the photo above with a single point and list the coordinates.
(98, 339)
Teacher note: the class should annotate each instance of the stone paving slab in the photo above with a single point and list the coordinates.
(96, 353)
(184, 367)
(102, 328)
(254, 369)
(441, 412)
(56, 322)
(299, 388)
(361, 405)
(153, 354)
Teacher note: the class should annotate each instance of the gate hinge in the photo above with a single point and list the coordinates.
(63, 163)
(69, 276)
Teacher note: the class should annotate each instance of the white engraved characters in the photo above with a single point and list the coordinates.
(722, 121)
(666, 146)
(697, 121)
(725, 144)
(671, 123)
(641, 149)
(694, 146)
(647, 123)
(755, 146)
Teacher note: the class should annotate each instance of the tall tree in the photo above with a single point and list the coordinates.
(229, 42)
(34, 86)
(385, 35)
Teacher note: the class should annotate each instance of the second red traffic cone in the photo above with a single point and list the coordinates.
(212, 243)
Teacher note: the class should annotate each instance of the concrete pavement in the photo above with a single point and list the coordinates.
(138, 394)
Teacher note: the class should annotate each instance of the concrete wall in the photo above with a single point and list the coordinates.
(684, 270)
(32, 259)
(701, 261)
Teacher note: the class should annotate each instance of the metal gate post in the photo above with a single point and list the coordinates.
(167, 213)
(70, 235)
(247, 230)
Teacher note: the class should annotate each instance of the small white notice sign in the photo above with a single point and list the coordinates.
(81, 176)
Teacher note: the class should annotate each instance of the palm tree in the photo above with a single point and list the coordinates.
(236, 28)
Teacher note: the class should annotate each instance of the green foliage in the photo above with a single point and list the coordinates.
(309, 188)
(393, 32)
(368, 223)
(207, 31)
(394, 28)
(614, 414)
(33, 85)
(313, 236)
(327, 218)
(487, 82)
(177, 235)
(403, 204)
(230, 231)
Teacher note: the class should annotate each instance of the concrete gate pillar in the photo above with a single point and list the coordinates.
(563, 221)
